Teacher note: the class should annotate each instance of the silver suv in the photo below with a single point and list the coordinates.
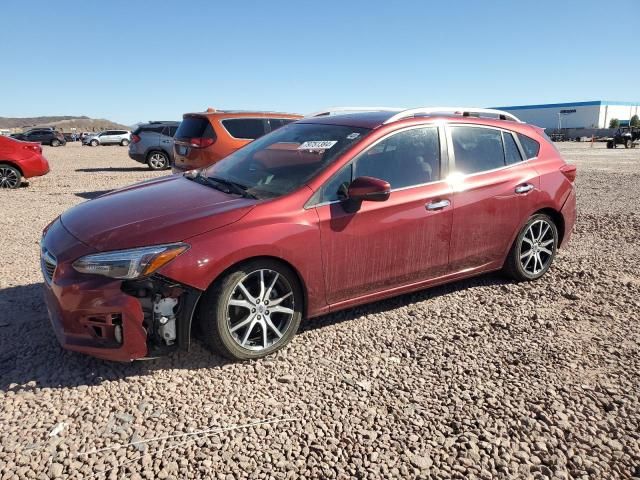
(108, 137)
(152, 143)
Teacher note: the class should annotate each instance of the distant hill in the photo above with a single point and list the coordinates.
(62, 123)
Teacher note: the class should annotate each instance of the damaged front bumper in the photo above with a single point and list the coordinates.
(107, 318)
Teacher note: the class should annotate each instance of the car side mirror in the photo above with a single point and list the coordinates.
(369, 189)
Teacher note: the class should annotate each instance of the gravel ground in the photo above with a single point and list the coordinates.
(479, 379)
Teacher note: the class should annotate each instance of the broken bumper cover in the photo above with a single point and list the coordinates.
(100, 316)
(98, 320)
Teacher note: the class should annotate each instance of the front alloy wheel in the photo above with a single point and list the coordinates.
(534, 249)
(10, 177)
(260, 309)
(158, 161)
(252, 311)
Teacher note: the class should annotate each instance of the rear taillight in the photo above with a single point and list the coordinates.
(35, 148)
(200, 142)
(135, 138)
(569, 171)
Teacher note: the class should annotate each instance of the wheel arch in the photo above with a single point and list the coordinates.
(554, 214)
(196, 308)
(273, 258)
(557, 218)
(13, 164)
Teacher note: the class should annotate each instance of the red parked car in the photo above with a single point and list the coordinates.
(20, 159)
(323, 214)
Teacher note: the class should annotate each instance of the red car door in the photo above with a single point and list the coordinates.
(400, 241)
(494, 192)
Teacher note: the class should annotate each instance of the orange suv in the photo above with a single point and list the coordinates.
(206, 137)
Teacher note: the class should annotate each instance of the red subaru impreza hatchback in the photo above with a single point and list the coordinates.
(320, 215)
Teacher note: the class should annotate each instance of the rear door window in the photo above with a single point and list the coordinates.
(477, 149)
(511, 150)
(529, 145)
(245, 128)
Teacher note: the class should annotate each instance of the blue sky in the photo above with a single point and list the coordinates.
(132, 61)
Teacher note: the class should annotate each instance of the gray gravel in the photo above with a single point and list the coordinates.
(479, 379)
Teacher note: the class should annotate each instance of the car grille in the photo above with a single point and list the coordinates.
(49, 265)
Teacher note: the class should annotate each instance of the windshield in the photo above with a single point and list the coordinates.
(286, 159)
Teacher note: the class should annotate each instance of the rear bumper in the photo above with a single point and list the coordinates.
(569, 214)
(138, 157)
(36, 166)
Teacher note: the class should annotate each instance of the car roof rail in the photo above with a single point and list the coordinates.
(342, 110)
(463, 111)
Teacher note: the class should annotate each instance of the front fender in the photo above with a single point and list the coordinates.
(295, 240)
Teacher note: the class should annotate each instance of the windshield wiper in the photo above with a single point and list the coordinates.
(222, 184)
(235, 186)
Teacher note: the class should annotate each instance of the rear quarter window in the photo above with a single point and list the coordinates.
(511, 150)
(530, 146)
(248, 128)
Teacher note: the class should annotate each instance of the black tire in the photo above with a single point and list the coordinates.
(124, 143)
(513, 265)
(94, 143)
(157, 160)
(55, 142)
(10, 177)
(214, 314)
(627, 143)
(609, 144)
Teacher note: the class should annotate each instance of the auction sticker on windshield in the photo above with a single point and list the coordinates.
(317, 145)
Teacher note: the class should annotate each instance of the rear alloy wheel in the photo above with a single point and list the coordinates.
(157, 161)
(10, 177)
(94, 143)
(534, 250)
(252, 311)
(55, 142)
(124, 142)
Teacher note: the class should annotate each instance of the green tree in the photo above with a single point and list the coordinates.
(614, 123)
(635, 121)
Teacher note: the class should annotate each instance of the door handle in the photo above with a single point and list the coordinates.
(437, 205)
(524, 188)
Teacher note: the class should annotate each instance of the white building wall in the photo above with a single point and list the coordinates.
(547, 117)
(596, 115)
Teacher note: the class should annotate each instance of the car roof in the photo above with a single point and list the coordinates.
(242, 114)
(160, 122)
(377, 119)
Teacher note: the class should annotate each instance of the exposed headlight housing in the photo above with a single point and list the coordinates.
(129, 264)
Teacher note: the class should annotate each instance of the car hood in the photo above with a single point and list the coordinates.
(166, 210)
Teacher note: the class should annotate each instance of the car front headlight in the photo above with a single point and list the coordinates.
(129, 264)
